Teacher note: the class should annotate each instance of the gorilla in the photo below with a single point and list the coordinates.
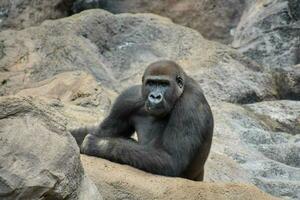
(172, 119)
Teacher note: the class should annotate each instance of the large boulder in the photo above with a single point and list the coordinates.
(115, 49)
(269, 32)
(213, 19)
(261, 144)
(216, 20)
(39, 159)
(123, 182)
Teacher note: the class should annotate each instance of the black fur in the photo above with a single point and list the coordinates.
(175, 143)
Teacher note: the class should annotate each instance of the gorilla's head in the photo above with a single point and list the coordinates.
(163, 84)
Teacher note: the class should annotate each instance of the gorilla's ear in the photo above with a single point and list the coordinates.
(179, 81)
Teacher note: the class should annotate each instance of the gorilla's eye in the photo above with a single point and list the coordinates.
(179, 81)
(150, 82)
(165, 84)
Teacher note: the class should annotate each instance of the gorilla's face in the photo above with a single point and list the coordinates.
(163, 84)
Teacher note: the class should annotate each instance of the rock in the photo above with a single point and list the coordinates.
(288, 82)
(269, 31)
(213, 19)
(88, 190)
(39, 159)
(262, 142)
(19, 14)
(283, 115)
(76, 94)
(222, 168)
(115, 49)
(123, 182)
(294, 9)
(77, 86)
(77, 66)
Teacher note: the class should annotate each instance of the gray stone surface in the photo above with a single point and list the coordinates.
(115, 49)
(269, 32)
(263, 141)
(19, 14)
(39, 159)
(214, 19)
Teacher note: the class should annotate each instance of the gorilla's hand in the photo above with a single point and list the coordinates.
(93, 145)
(80, 133)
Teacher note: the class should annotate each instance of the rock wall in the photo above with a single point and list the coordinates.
(269, 33)
(19, 14)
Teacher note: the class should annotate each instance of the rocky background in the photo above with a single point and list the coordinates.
(61, 68)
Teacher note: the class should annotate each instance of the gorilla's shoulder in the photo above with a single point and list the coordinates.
(133, 90)
(132, 93)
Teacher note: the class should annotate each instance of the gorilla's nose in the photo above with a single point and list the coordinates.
(155, 98)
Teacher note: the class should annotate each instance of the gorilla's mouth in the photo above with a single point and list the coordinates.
(155, 109)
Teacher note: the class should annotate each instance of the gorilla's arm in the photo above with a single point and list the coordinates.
(116, 124)
(125, 151)
(171, 154)
(110, 127)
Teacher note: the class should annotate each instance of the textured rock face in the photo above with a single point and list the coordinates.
(269, 32)
(213, 19)
(38, 158)
(263, 140)
(124, 182)
(18, 14)
(79, 64)
(116, 50)
(288, 82)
